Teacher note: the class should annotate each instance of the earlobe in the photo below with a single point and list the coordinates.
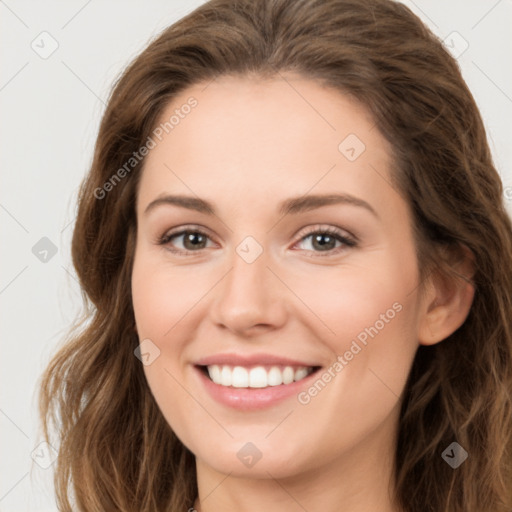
(448, 301)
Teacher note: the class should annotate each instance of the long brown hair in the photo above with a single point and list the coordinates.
(116, 451)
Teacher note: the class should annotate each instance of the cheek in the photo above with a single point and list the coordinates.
(159, 303)
(366, 316)
(349, 302)
(370, 331)
(161, 295)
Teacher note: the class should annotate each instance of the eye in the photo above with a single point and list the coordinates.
(193, 240)
(323, 240)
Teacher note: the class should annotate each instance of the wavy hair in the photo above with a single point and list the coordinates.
(116, 450)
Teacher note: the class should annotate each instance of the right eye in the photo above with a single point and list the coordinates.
(193, 240)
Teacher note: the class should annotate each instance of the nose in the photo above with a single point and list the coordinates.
(250, 299)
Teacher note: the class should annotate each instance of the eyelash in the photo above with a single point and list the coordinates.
(334, 232)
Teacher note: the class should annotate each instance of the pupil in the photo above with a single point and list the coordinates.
(318, 239)
(192, 238)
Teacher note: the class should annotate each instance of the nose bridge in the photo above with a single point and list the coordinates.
(250, 294)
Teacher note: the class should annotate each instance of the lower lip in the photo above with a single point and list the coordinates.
(246, 399)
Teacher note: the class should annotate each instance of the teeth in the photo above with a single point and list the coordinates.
(239, 377)
(226, 376)
(301, 373)
(274, 377)
(257, 377)
(288, 375)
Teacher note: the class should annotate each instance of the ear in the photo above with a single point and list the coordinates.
(447, 300)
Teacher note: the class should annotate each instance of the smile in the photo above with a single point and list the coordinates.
(257, 376)
(251, 382)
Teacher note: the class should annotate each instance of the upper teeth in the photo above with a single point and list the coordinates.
(257, 377)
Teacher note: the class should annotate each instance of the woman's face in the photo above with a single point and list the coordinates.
(296, 293)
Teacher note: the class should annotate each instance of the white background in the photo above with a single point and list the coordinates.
(51, 109)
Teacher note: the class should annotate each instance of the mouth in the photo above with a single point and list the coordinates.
(256, 376)
(253, 382)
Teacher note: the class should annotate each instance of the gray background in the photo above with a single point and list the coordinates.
(51, 108)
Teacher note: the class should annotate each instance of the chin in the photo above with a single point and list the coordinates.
(257, 460)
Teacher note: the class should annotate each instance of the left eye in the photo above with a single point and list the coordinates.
(325, 240)
(322, 240)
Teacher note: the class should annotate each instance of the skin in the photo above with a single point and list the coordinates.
(247, 146)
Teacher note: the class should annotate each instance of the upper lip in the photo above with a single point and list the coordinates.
(251, 360)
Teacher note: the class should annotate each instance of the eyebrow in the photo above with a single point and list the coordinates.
(290, 206)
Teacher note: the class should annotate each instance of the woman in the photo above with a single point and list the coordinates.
(342, 338)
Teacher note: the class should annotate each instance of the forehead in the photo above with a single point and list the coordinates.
(255, 140)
